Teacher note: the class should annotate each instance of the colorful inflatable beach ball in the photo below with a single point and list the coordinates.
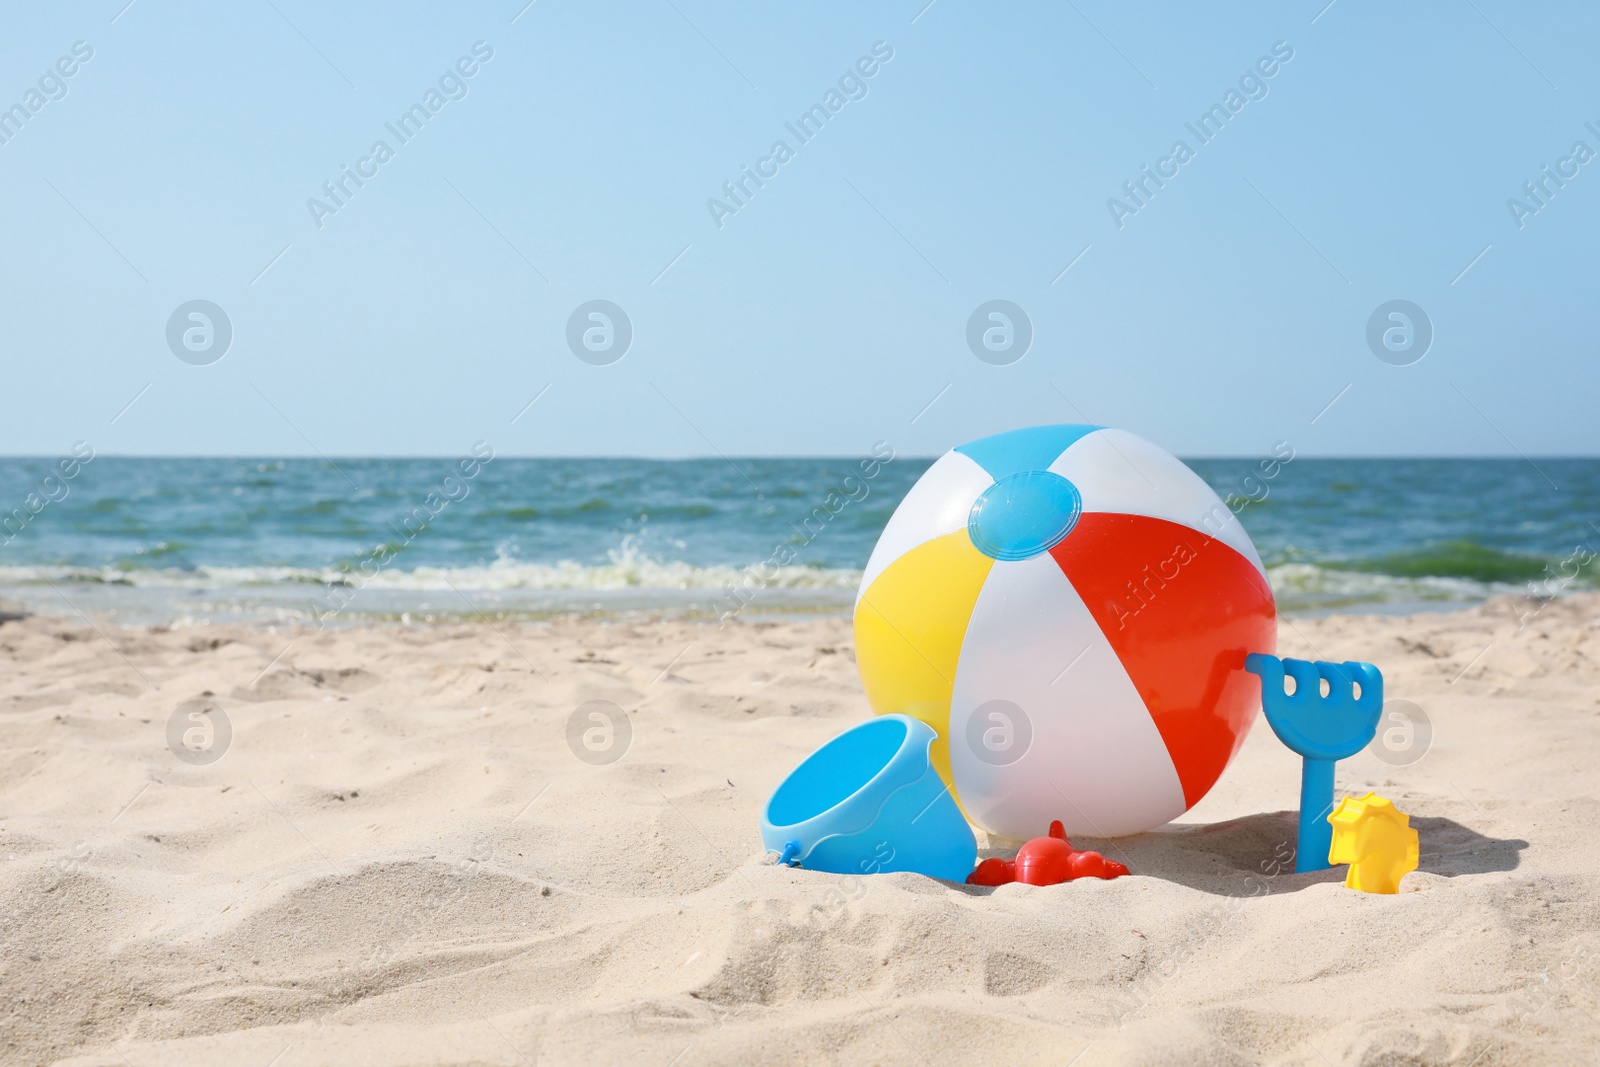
(1069, 607)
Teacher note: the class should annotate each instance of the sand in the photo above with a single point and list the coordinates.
(400, 860)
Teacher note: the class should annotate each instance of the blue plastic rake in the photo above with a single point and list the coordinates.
(1321, 729)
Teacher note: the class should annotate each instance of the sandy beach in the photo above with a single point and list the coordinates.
(400, 859)
(447, 444)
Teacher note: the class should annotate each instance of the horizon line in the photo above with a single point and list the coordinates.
(280, 457)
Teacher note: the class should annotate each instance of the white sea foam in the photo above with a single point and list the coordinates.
(1307, 586)
(1298, 587)
(627, 568)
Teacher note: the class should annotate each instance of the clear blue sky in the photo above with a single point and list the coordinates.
(832, 307)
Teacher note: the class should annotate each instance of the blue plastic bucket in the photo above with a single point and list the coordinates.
(870, 802)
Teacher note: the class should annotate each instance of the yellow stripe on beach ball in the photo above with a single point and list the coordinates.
(909, 627)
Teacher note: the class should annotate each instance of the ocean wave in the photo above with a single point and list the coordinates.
(624, 570)
(1454, 559)
(1298, 585)
(1311, 586)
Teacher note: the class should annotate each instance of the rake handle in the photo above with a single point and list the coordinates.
(1315, 839)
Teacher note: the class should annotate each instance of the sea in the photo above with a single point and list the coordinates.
(347, 541)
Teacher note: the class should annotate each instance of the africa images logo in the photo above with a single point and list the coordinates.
(452, 85)
(1252, 86)
(852, 85)
(51, 86)
(199, 332)
(1399, 332)
(999, 332)
(599, 332)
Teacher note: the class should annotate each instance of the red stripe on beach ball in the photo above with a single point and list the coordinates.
(1181, 610)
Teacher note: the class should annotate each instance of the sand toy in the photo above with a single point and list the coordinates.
(1322, 728)
(870, 802)
(1046, 861)
(1375, 838)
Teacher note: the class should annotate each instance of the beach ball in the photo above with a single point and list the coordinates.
(1069, 608)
